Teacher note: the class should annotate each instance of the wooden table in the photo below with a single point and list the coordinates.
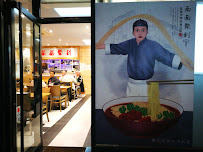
(28, 84)
(43, 94)
(64, 87)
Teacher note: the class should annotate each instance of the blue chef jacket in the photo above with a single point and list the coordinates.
(141, 58)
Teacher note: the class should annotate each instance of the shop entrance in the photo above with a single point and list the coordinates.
(62, 51)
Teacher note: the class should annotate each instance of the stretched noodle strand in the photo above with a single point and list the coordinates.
(153, 103)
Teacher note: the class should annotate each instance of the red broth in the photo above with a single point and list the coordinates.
(175, 111)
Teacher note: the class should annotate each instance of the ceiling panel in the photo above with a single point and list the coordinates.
(69, 34)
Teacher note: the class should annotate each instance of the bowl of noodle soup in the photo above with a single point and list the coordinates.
(133, 117)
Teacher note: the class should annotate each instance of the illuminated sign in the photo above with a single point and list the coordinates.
(59, 52)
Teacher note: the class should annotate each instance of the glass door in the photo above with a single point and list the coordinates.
(28, 81)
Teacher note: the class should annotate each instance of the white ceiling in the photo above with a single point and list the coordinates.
(70, 34)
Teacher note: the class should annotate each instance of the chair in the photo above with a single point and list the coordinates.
(45, 102)
(25, 89)
(78, 90)
(66, 91)
(56, 95)
(31, 89)
(72, 91)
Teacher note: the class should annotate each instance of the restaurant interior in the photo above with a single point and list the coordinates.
(67, 107)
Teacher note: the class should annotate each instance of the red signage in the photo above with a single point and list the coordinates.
(43, 52)
(51, 52)
(59, 52)
(69, 52)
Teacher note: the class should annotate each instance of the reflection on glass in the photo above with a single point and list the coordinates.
(17, 58)
(31, 109)
(37, 51)
(27, 4)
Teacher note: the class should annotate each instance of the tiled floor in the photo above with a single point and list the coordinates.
(55, 115)
(69, 128)
(75, 132)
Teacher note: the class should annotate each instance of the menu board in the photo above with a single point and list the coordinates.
(144, 74)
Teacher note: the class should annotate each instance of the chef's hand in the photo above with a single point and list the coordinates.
(100, 46)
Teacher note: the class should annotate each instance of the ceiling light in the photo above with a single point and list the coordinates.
(74, 11)
(28, 33)
(87, 27)
(66, 43)
(59, 39)
(47, 44)
(87, 41)
(50, 31)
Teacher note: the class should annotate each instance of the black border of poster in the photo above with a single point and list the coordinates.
(93, 74)
(118, 148)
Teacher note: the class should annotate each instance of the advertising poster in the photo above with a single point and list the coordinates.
(144, 73)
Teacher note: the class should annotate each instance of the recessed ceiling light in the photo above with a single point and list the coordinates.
(59, 39)
(47, 44)
(74, 11)
(66, 43)
(50, 31)
(87, 41)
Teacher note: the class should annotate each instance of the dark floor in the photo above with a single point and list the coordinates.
(63, 149)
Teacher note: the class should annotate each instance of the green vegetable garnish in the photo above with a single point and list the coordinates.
(137, 108)
(130, 107)
(168, 115)
(171, 115)
(159, 116)
(143, 111)
(122, 109)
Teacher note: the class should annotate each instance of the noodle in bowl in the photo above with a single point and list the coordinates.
(137, 127)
